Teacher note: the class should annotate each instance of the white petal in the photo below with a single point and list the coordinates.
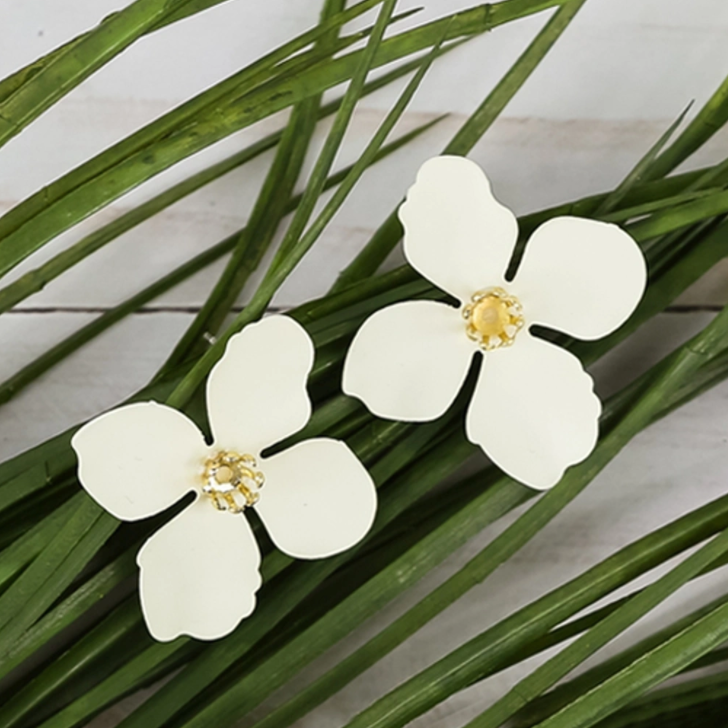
(408, 361)
(456, 233)
(256, 394)
(199, 574)
(582, 277)
(137, 460)
(318, 499)
(534, 411)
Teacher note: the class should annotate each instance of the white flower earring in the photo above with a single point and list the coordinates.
(199, 573)
(534, 412)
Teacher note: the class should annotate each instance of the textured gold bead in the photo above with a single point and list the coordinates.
(231, 481)
(493, 318)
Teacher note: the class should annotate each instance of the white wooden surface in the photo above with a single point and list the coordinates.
(622, 72)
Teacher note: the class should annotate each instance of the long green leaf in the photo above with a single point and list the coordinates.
(71, 608)
(35, 280)
(706, 123)
(212, 116)
(424, 690)
(652, 669)
(103, 638)
(389, 233)
(562, 695)
(52, 571)
(23, 76)
(640, 170)
(77, 61)
(29, 373)
(140, 145)
(269, 208)
(548, 674)
(659, 707)
(296, 243)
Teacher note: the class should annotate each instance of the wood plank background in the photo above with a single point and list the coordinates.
(616, 80)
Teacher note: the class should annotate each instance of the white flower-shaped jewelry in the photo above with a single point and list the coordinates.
(534, 411)
(199, 572)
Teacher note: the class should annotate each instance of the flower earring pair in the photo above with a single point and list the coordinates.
(533, 412)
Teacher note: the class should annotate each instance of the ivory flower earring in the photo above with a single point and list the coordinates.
(534, 412)
(199, 573)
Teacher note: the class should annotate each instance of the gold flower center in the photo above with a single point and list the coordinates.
(231, 481)
(493, 318)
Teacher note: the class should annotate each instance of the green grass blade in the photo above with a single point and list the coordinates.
(268, 211)
(652, 669)
(22, 551)
(66, 70)
(71, 608)
(628, 214)
(296, 243)
(191, 7)
(541, 708)
(29, 373)
(35, 280)
(287, 262)
(659, 706)
(106, 637)
(423, 691)
(486, 653)
(335, 137)
(667, 221)
(706, 123)
(641, 170)
(23, 76)
(144, 146)
(548, 674)
(212, 116)
(57, 353)
(390, 232)
(52, 571)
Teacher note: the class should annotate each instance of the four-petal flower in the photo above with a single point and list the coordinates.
(199, 572)
(534, 412)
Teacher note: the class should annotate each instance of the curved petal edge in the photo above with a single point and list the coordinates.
(534, 411)
(456, 234)
(137, 460)
(199, 574)
(582, 277)
(256, 393)
(408, 361)
(318, 499)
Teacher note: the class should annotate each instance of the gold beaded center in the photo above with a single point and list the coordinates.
(231, 481)
(493, 318)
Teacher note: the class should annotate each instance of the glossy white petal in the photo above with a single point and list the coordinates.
(408, 361)
(534, 411)
(137, 460)
(199, 574)
(582, 277)
(456, 233)
(256, 394)
(318, 499)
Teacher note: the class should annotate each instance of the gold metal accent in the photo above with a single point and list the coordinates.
(493, 318)
(231, 481)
